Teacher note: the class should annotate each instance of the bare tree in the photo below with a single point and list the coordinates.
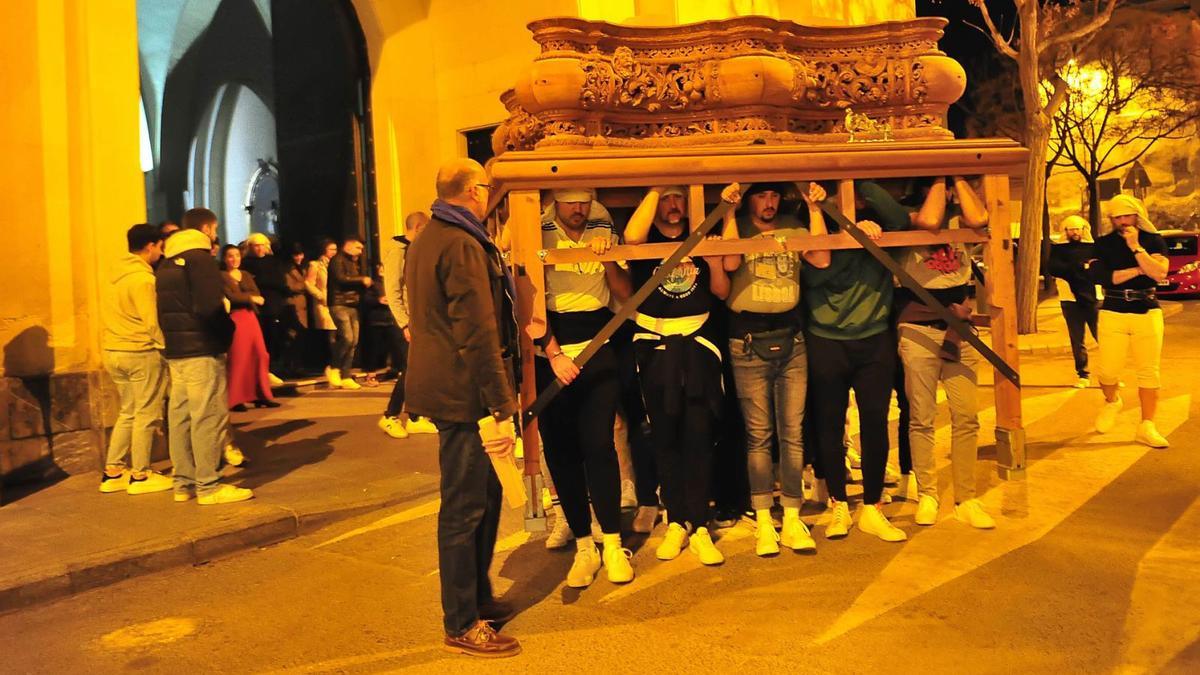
(1135, 86)
(1046, 33)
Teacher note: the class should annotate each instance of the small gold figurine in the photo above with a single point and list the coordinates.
(861, 124)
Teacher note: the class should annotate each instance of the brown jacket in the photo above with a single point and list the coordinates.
(462, 328)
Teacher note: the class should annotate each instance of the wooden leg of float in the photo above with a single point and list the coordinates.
(696, 210)
(1002, 309)
(525, 227)
(845, 197)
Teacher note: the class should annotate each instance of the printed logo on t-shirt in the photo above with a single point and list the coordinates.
(681, 282)
(774, 277)
(943, 259)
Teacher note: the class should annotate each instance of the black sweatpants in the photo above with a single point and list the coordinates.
(641, 445)
(577, 432)
(1079, 315)
(867, 366)
(682, 426)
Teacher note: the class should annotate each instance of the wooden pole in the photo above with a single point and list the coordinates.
(1002, 309)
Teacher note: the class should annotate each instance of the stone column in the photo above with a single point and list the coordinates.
(71, 185)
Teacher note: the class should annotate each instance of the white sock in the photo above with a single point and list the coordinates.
(612, 541)
(585, 544)
(791, 512)
(764, 517)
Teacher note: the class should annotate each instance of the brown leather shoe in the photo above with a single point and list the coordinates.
(482, 640)
(497, 611)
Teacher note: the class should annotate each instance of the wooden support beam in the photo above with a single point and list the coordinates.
(524, 224)
(1002, 308)
(845, 198)
(696, 210)
(840, 240)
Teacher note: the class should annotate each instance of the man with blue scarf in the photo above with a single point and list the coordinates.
(461, 377)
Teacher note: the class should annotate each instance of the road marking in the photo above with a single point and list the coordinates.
(407, 515)
(513, 541)
(1164, 607)
(154, 633)
(343, 664)
(1056, 487)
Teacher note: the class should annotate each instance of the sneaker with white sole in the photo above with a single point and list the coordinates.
(839, 521)
(795, 535)
(392, 426)
(420, 425)
(890, 476)
(350, 383)
(184, 494)
(274, 380)
(333, 377)
(110, 484)
(587, 563)
(766, 539)
(853, 457)
(1082, 383)
(927, 510)
(646, 518)
(151, 482)
(971, 512)
(616, 561)
(1107, 418)
(701, 544)
(673, 542)
(225, 494)
(234, 455)
(1147, 434)
(872, 521)
(560, 533)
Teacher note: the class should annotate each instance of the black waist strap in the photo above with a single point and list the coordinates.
(1128, 294)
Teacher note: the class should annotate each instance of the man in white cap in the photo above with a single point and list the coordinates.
(577, 427)
(1130, 261)
(1076, 290)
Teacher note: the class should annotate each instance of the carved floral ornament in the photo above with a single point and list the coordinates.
(732, 81)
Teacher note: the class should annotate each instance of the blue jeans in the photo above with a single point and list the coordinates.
(141, 382)
(199, 418)
(772, 395)
(346, 320)
(467, 524)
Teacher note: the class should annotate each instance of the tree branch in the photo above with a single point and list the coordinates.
(993, 32)
(1078, 34)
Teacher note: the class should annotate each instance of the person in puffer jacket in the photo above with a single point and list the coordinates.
(197, 332)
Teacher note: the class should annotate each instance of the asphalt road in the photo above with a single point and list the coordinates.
(1093, 568)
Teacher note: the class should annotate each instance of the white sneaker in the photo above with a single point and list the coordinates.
(274, 380)
(350, 383)
(628, 494)
(701, 544)
(766, 539)
(853, 457)
(560, 534)
(1147, 434)
(583, 570)
(1107, 418)
(927, 510)
(393, 427)
(872, 521)
(226, 494)
(616, 563)
(890, 477)
(971, 512)
(796, 536)
(234, 455)
(839, 522)
(420, 425)
(1082, 383)
(673, 543)
(151, 482)
(333, 377)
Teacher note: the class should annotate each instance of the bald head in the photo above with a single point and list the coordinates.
(415, 222)
(458, 176)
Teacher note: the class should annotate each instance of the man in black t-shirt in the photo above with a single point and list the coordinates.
(1076, 290)
(1130, 261)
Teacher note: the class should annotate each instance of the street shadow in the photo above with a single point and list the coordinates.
(535, 572)
(29, 358)
(268, 461)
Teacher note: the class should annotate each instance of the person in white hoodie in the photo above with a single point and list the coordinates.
(132, 342)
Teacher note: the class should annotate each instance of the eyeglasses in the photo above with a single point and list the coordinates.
(488, 186)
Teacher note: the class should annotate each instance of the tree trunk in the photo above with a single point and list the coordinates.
(1037, 136)
(1094, 210)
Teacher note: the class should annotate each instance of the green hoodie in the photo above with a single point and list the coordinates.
(129, 309)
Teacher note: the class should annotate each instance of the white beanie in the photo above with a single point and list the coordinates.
(1124, 205)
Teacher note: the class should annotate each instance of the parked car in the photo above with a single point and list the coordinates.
(1183, 253)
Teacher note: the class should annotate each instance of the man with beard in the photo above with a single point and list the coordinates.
(1076, 290)
(770, 364)
(679, 366)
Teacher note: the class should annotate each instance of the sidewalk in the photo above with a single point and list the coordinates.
(317, 459)
(1052, 338)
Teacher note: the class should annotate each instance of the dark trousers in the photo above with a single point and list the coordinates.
(731, 476)
(683, 437)
(641, 445)
(467, 524)
(867, 366)
(577, 432)
(274, 337)
(1078, 315)
(400, 363)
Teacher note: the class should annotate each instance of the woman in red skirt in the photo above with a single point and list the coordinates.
(248, 358)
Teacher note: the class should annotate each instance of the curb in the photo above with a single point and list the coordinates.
(114, 566)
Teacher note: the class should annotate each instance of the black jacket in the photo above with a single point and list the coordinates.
(1066, 263)
(191, 298)
(463, 335)
(345, 280)
(271, 278)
